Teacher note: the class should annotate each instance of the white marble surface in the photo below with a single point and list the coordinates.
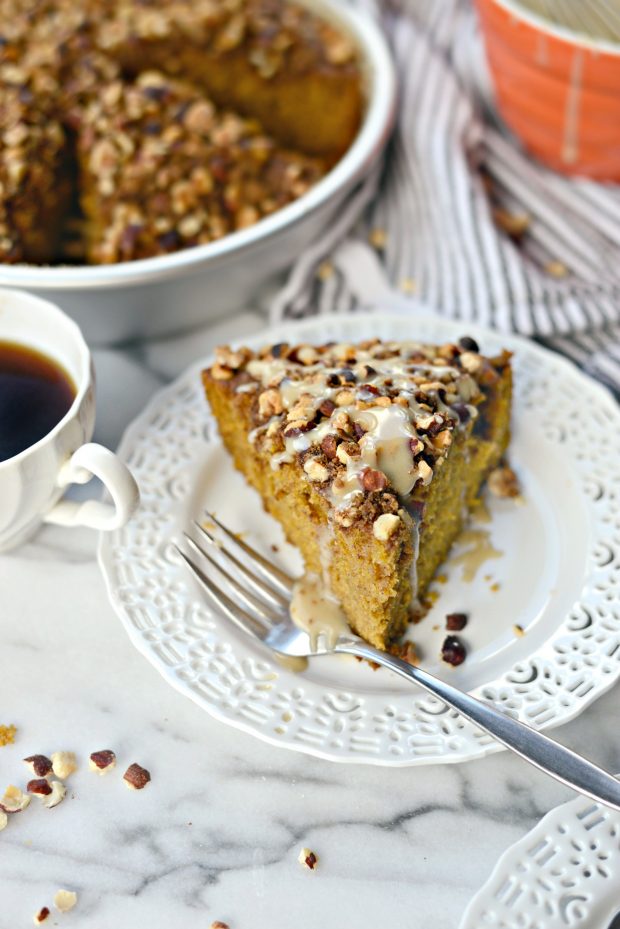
(217, 832)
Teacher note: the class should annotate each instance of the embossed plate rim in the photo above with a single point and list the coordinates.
(552, 841)
(228, 668)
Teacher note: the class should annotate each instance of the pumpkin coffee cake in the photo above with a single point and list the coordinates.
(369, 455)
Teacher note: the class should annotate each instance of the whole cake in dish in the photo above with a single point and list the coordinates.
(106, 104)
(369, 455)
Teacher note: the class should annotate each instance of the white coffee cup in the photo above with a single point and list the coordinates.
(33, 482)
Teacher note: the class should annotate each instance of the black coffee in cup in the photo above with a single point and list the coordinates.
(35, 394)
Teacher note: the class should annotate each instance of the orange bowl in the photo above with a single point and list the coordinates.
(558, 91)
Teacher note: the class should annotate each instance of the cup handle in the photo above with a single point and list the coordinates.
(92, 460)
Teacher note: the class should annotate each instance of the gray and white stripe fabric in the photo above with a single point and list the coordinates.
(450, 168)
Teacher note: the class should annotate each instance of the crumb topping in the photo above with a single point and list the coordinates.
(372, 422)
(168, 170)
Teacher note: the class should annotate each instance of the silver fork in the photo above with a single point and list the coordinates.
(258, 602)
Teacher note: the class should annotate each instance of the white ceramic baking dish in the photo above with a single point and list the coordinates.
(156, 296)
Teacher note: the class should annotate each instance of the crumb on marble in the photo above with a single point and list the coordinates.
(308, 859)
(40, 765)
(136, 777)
(41, 916)
(65, 900)
(518, 630)
(64, 764)
(103, 761)
(495, 587)
(7, 735)
(218, 924)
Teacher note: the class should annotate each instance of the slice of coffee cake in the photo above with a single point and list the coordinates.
(369, 455)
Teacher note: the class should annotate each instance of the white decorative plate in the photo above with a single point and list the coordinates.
(564, 874)
(559, 576)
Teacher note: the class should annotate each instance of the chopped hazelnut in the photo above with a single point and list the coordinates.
(63, 764)
(503, 482)
(406, 651)
(471, 361)
(3, 820)
(270, 403)
(41, 916)
(65, 900)
(39, 786)
(57, 795)
(346, 451)
(373, 480)
(443, 439)
(342, 421)
(40, 765)
(307, 858)
(518, 630)
(329, 446)
(385, 526)
(102, 761)
(307, 355)
(455, 622)
(14, 800)
(345, 398)
(327, 407)
(315, 470)
(218, 924)
(423, 473)
(136, 777)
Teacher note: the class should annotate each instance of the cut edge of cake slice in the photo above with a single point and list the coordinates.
(370, 456)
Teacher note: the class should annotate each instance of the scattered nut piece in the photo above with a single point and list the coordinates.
(41, 916)
(56, 795)
(556, 269)
(408, 285)
(102, 761)
(218, 924)
(7, 735)
(40, 765)
(14, 800)
(3, 820)
(453, 651)
(315, 470)
(455, 622)
(513, 224)
(307, 858)
(518, 630)
(385, 526)
(378, 238)
(406, 651)
(503, 482)
(136, 777)
(63, 764)
(40, 786)
(65, 900)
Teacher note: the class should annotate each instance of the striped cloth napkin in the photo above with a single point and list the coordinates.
(461, 221)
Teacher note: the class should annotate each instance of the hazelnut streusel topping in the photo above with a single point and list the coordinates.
(370, 424)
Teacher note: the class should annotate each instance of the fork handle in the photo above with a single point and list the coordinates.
(544, 753)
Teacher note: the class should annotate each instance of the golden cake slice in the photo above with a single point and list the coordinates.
(369, 455)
